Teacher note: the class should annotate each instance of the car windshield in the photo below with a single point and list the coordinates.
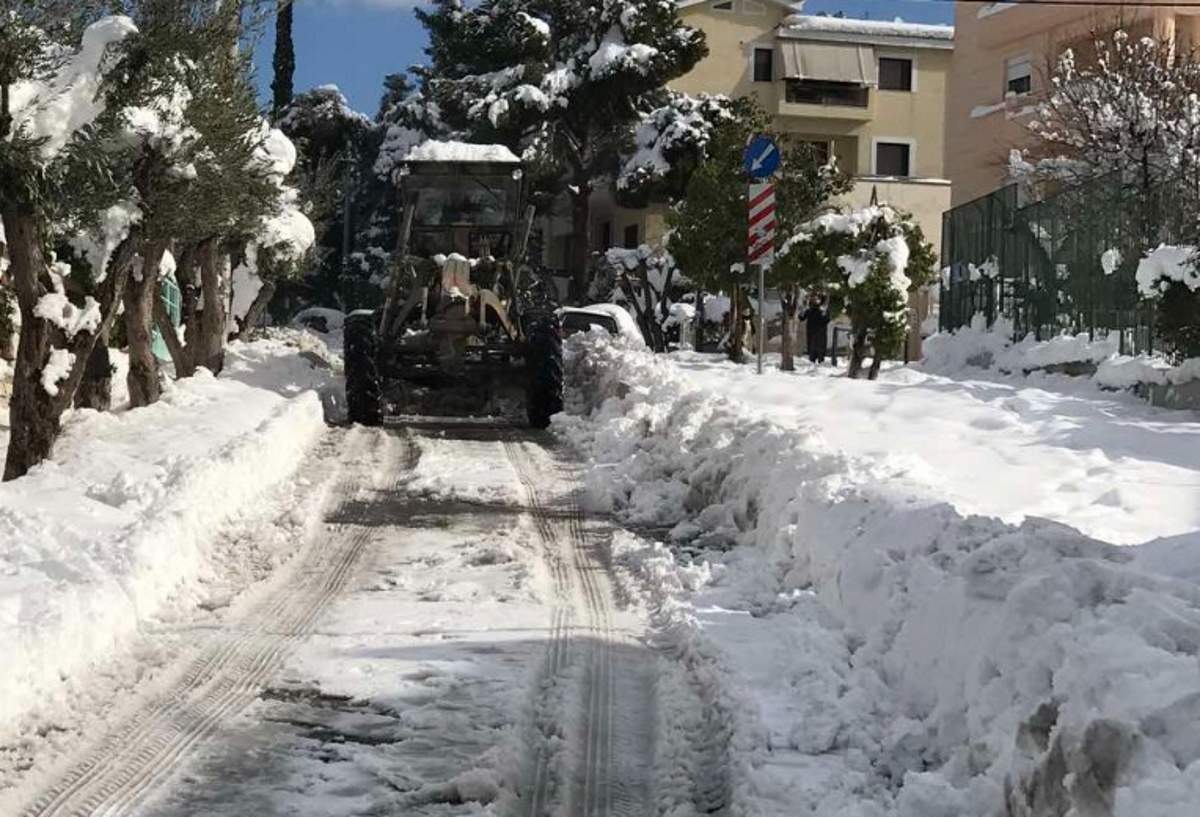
(583, 321)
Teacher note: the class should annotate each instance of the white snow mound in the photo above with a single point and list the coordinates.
(897, 657)
(95, 541)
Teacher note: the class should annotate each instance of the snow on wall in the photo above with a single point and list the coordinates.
(799, 24)
(97, 539)
(902, 659)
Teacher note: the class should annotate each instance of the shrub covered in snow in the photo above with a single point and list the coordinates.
(983, 347)
(882, 256)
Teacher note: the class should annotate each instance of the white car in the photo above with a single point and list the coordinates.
(612, 318)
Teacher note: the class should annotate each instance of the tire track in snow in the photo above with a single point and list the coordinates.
(599, 786)
(223, 680)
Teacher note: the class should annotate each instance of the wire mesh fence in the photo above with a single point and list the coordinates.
(1067, 263)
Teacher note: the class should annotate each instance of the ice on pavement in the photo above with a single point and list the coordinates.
(888, 652)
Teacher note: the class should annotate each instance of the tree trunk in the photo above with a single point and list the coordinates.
(282, 86)
(95, 390)
(858, 353)
(210, 340)
(34, 421)
(257, 310)
(787, 342)
(183, 352)
(876, 363)
(140, 295)
(736, 353)
(581, 239)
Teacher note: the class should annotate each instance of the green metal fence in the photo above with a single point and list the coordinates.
(169, 290)
(1064, 264)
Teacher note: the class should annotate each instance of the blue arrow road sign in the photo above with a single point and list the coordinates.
(762, 158)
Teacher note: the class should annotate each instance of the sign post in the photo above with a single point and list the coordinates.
(761, 161)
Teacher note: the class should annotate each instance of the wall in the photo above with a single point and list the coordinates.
(731, 38)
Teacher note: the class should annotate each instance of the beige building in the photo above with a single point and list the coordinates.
(870, 93)
(1003, 56)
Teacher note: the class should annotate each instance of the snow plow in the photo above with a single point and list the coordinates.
(467, 327)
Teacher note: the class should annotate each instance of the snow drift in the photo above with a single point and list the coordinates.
(94, 542)
(902, 659)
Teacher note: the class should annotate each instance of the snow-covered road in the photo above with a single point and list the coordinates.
(449, 642)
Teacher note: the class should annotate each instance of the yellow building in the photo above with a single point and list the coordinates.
(870, 93)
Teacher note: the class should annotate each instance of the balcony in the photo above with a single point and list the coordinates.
(826, 100)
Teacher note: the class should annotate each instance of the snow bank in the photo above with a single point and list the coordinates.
(94, 542)
(904, 659)
(983, 347)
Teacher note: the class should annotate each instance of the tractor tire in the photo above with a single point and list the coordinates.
(544, 368)
(364, 391)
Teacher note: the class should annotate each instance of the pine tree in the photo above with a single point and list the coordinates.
(560, 81)
(334, 142)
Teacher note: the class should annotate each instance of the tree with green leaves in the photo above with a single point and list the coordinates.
(50, 164)
(235, 195)
(561, 82)
(870, 259)
(709, 226)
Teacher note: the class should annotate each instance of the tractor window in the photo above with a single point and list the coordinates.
(462, 200)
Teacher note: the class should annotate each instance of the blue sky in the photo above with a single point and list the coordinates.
(354, 43)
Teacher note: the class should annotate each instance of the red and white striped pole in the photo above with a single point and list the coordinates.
(762, 247)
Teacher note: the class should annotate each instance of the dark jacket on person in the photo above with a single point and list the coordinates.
(816, 328)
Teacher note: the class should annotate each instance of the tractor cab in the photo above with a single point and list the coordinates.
(467, 201)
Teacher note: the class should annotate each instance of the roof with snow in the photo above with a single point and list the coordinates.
(790, 5)
(878, 32)
(435, 151)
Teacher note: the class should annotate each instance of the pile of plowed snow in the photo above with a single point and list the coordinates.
(94, 542)
(894, 656)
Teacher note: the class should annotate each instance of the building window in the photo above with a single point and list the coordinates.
(727, 5)
(1019, 79)
(819, 92)
(895, 74)
(893, 159)
(631, 237)
(764, 65)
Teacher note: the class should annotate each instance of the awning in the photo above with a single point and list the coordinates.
(830, 62)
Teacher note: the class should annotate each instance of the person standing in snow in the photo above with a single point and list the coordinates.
(816, 327)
